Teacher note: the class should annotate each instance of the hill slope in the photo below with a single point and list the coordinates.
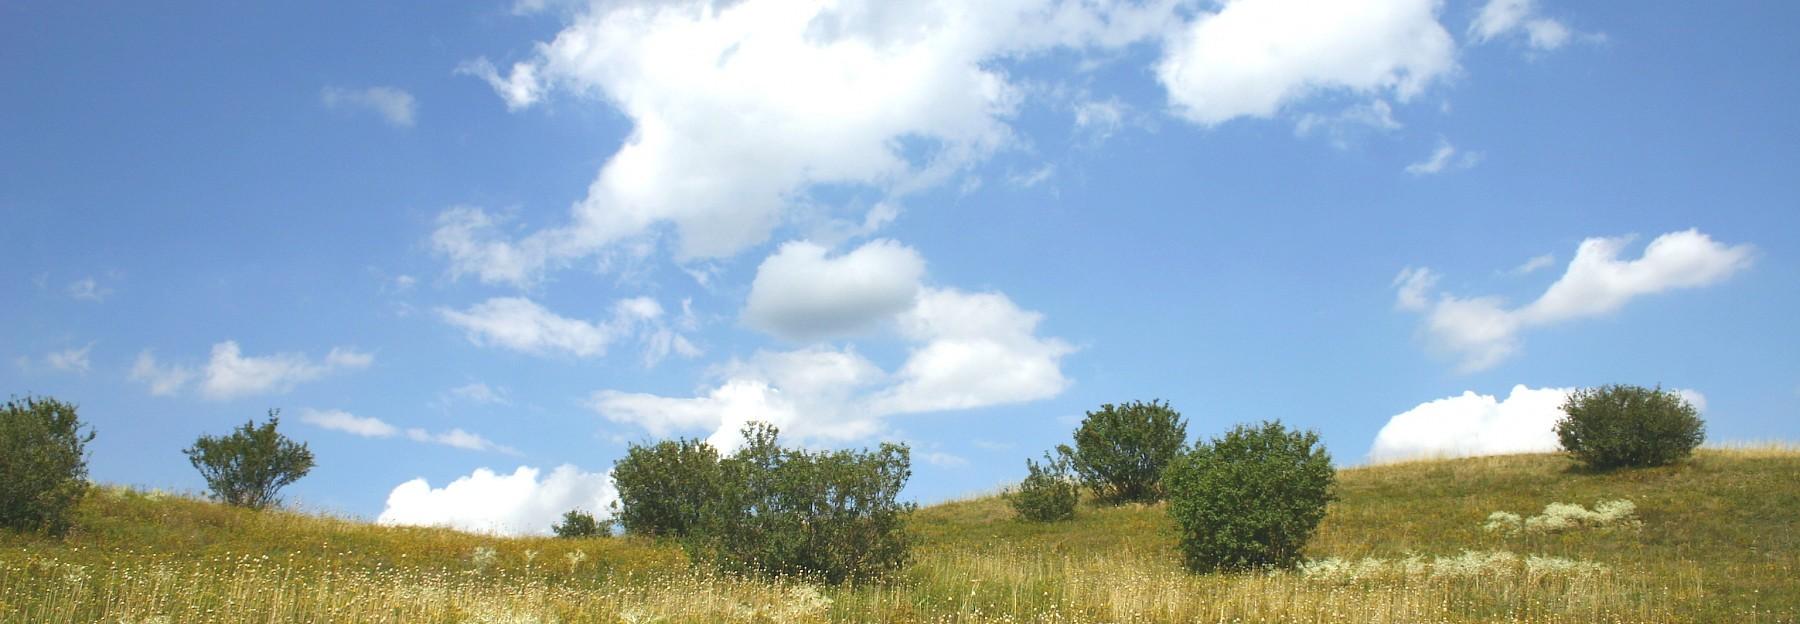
(1713, 539)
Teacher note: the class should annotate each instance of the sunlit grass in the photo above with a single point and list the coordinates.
(1714, 539)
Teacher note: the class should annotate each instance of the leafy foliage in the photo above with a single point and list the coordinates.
(1619, 425)
(830, 515)
(250, 466)
(577, 523)
(664, 487)
(1120, 451)
(1048, 492)
(43, 464)
(1250, 499)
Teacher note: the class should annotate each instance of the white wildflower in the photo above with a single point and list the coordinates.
(1323, 569)
(805, 600)
(1473, 563)
(1565, 516)
(1616, 512)
(1414, 565)
(1559, 517)
(1502, 521)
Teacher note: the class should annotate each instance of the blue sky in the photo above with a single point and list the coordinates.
(472, 253)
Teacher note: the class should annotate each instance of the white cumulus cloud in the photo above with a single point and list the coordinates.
(396, 106)
(813, 393)
(802, 293)
(974, 350)
(1252, 57)
(488, 502)
(969, 350)
(1473, 424)
(739, 109)
(1484, 331)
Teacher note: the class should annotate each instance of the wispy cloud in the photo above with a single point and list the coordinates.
(371, 427)
(1483, 331)
(520, 324)
(1535, 264)
(478, 392)
(71, 360)
(394, 105)
(230, 374)
(88, 289)
(1444, 157)
(1501, 18)
(161, 379)
(457, 438)
(339, 420)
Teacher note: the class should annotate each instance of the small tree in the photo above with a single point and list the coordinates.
(1048, 492)
(248, 467)
(664, 487)
(1250, 499)
(1618, 425)
(577, 523)
(830, 515)
(1120, 451)
(43, 464)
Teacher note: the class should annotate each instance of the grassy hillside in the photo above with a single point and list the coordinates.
(1715, 539)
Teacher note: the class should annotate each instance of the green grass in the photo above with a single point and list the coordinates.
(1719, 540)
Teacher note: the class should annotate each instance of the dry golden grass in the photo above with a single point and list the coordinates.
(1715, 539)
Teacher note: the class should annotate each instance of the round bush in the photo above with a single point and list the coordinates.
(1048, 492)
(664, 487)
(1121, 450)
(1619, 425)
(43, 464)
(1250, 499)
(578, 524)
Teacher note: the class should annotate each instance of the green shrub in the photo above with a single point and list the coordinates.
(1250, 499)
(250, 466)
(43, 464)
(664, 487)
(832, 516)
(1120, 451)
(577, 523)
(1617, 425)
(1048, 492)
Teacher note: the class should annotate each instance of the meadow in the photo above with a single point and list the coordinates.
(1715, 538)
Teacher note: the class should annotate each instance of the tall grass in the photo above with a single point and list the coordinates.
(1716, 540)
